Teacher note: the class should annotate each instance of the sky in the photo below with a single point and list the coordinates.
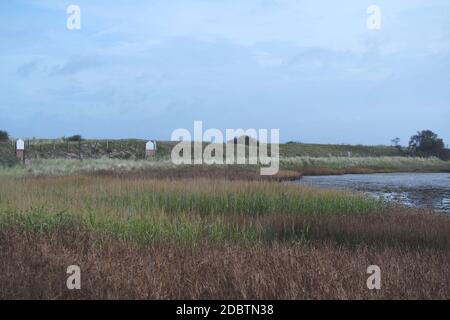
(310, 68)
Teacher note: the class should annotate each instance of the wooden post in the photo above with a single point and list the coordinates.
(95, 148)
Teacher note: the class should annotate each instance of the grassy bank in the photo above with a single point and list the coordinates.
(58, 157)
(134, 149)
(290, 168)
(148, 169)
(342, 165)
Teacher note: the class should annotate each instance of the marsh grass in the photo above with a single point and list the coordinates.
(338, 165)
(212, 239)
(186, 211)
(191, 211)
(72, 166)
(291, 168)
(33, 267)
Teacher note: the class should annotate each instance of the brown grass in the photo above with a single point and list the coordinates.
(321, 171)
(248, 173)
(395, 227)
(232, 173)
(412, 252)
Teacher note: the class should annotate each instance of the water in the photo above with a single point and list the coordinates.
(421, 190)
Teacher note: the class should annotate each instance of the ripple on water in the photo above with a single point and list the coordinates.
(422, 190)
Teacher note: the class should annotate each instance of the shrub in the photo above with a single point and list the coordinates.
(74, 138)
(4, 136)
(246, 140)
(8, 160)
(427, 143)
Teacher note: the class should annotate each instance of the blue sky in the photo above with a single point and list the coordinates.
(310, 68)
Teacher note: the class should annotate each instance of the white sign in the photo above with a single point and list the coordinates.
(20, 144)
(150, 145)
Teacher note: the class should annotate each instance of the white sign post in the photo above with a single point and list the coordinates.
(20, 150)
(150, 149)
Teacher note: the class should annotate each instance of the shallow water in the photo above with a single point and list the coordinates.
(421, 190)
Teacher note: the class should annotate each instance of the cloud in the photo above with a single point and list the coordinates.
(27, 69)
(292, 64)
(77, 64)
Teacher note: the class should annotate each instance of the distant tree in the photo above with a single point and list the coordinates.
(395, 142)
(73, 138)
(427, 143)
(4, 136)
(245, 140)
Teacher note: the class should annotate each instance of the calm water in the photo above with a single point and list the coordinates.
(423, 190)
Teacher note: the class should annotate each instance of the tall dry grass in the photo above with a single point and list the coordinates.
(33, 265)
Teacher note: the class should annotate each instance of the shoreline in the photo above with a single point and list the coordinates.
(330, 172)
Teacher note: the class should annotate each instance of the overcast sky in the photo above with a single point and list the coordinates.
(310, 68)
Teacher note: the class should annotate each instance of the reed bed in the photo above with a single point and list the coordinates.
(33, 266)
(197, 238)
(290, 167)
(187, 210)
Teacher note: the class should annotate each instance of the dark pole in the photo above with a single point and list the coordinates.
(79, 150)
